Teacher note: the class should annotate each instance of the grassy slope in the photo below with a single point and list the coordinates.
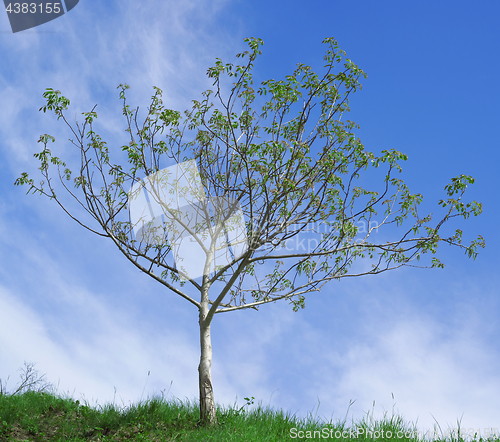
(35, 416)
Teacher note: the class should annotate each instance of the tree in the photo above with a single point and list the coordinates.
(298, 179)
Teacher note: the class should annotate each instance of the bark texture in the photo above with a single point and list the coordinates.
(208, 415)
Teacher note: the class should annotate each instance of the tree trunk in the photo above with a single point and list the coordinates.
(208, 414)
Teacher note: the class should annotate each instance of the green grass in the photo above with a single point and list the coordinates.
(43, 416)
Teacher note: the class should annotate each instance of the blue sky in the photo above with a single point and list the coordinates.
(71, 303)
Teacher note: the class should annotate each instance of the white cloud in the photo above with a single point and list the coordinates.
(95, 348)
(170, 45)
(434, 370)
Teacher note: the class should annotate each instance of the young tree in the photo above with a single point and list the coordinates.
(243, 198)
